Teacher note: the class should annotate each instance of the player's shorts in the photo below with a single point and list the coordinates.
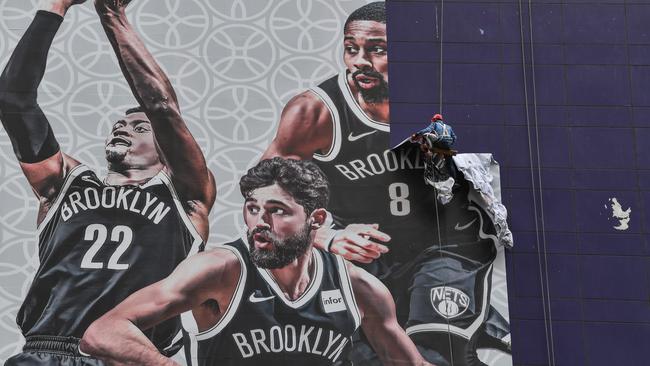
(443, 302)
(449, 302)
(51, 350)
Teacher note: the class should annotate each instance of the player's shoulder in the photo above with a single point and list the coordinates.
(220, 256)
(205, 269)
(371, 295)
(305, 111)
(362, 281)
(305, 102)
(213, 261)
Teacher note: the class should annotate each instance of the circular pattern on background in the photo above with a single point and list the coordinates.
(305, 26)
(170, 24)
(188, 75)
(58, 81)
(240, 52)
(240, 10)
(16, 15)
(19, 207)
(91, 53)
(94, 107)
(240, 114)
(228, 166)
(294, 75)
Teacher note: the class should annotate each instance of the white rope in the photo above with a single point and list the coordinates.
(440, 32)
(539, 179)
(543, 267)
(442, 17)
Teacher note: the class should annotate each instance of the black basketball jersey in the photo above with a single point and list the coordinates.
(262, 327)
(98, 244)
(371, 183)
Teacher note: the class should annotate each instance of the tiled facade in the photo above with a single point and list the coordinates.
(580, 138)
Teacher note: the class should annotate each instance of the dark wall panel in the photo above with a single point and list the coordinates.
(568, 117)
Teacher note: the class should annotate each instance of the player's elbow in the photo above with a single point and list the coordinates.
(96, 341)
(13, 102)
(162, 106)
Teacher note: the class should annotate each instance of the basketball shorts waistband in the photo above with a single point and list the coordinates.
(56, 344)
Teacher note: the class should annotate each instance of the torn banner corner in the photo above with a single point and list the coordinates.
(483, 172)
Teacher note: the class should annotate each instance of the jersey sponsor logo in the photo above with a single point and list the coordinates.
(127, 199)
(353, 138)
(380, 163)
(290, 338)
(449, 302)
(254, 299)
(458, 227)
(332, 301)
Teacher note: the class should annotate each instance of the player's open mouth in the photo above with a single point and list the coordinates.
(262, 240)
(118, 141)
(366, 82)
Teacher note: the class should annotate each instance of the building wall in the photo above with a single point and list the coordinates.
(558, 93)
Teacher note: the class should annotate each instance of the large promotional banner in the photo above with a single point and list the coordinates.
(301, 79)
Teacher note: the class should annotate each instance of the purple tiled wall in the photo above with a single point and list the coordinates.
(580, 137)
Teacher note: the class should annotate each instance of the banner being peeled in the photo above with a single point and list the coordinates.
(266, 122)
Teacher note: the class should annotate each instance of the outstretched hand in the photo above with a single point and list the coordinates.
(111, 5)
(59, 7)
(360, 243)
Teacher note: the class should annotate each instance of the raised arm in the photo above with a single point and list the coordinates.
(117, 336)
(379, 321)
(155, 94)
(27, 127)
(305, 128)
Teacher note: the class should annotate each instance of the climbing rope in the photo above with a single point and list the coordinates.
(540, 227)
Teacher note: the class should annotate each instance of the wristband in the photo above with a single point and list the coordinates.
(330, 239)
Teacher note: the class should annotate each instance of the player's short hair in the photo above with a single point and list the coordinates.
(302, 179)
(375, 12)
(137, 109)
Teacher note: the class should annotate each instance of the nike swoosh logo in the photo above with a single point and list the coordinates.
(90, 180)
(254, 299)
(352, 137)
(461, 228)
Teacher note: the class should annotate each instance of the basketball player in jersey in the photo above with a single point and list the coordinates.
(440, 260)
(269, 299)
(101, 239)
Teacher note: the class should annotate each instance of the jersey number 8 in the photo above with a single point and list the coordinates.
(399, 203)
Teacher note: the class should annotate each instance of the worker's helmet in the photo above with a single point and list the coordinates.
(436, 117)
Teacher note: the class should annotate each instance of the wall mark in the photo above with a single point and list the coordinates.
(623, 216)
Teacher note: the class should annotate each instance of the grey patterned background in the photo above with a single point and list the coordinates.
(234, 64)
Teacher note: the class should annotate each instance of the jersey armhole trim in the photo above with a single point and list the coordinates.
(336, 125)
(348, 292)
(72, 174)
(230, 312)
(196, 244)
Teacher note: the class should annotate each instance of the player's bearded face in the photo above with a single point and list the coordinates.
(376, 94)
(281, 251)
(365, 56)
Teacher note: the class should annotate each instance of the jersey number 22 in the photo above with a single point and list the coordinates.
(123, 235)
